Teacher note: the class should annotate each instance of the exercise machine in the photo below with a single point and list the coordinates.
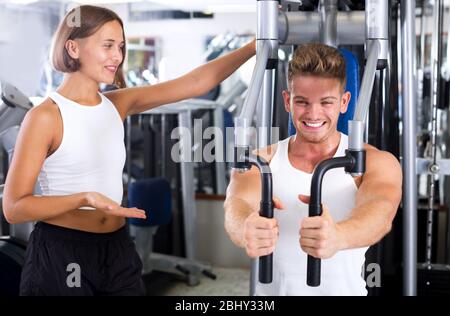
(276, 27)
(13, 107)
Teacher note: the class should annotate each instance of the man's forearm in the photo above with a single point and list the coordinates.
(367, 225)
(236, 212)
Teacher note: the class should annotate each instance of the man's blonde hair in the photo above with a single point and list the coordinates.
(320, 60)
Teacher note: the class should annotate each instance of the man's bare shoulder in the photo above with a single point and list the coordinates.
(380, 163)
(374, 154)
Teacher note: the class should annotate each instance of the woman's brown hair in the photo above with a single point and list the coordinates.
(82, 22)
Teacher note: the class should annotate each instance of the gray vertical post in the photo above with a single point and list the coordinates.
(267, 32)
(265, 110)
(163, 145)
(264, 124)
(421, 67)
(328, 22)
(128, 150)
(436, 64)
(219, 160)
(409, 148)
(188, 193)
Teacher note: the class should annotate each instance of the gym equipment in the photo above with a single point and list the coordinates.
(155, 197)
(290, 28)
(409, 148)
(432, 166)
(183, 112)
(354, 161)
(242, 157)
(13, 107)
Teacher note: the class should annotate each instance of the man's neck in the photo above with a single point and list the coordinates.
(300, 148)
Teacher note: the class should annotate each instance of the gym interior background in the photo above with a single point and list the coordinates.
(186, 250)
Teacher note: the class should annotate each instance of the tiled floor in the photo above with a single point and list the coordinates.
(229, 282)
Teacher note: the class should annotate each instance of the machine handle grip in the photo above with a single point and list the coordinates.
(266, 262)
(313, 264)
(265, 269)
(313, 272)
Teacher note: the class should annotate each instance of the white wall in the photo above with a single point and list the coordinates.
(183, 40)
(24, 36)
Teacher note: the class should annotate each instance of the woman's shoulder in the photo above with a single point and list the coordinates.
(40, 123)
(117, 99)
(45, 112)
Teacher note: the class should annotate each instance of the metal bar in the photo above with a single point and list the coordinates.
(236, 90)
(267, 36)
(188, 193)
(243, 122)
(264, 124)
(128, 149)
(367, 82)
(421, 69)
(409, 148)
(435, 89)
(164, 134)
(256, 81)
(219, 161)
(376, 19)
(423, 166)
(328, 22)
(265, 116)
(303, 27)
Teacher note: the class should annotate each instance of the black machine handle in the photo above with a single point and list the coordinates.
(313, 264)
(265, 210)
(266, 262)
(351, 161)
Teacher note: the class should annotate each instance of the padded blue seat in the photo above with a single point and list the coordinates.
(154, 197)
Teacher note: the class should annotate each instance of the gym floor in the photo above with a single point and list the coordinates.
(229, 282)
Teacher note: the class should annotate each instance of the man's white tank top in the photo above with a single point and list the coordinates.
(342, 273)
(91, 155)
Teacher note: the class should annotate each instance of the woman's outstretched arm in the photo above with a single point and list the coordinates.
(195, 83)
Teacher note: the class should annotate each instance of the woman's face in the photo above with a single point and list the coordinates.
(101, 53)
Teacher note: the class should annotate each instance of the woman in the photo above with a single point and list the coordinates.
(72, 144)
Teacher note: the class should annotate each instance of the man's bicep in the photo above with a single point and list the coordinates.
(382, 180)
(246, 187)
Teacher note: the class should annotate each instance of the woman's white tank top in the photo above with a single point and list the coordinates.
(91, 155)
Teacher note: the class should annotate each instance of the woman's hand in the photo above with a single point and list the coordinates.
(104, 204)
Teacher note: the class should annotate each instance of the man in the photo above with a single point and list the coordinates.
(357, 211)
